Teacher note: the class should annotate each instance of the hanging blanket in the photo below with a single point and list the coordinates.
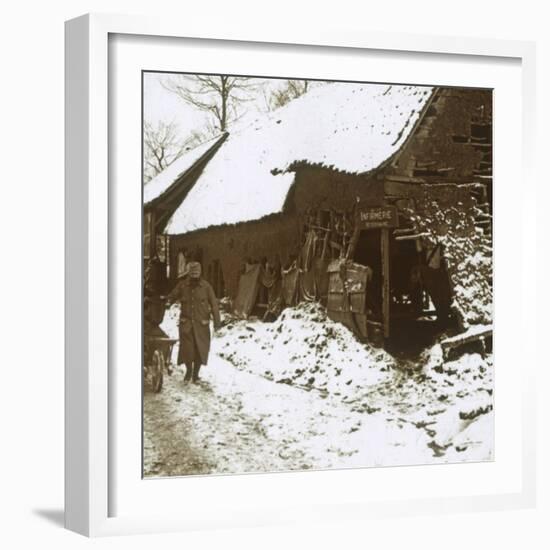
(290, 286)
(320, 266)
(308, 286)
(248, 290)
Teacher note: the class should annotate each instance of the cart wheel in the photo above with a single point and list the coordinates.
(168, 364)
(157, 371)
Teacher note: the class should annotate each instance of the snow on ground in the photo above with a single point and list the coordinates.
(302, 393)
(248, 177)
(305, 348)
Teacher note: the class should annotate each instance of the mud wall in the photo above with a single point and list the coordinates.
(275, 238)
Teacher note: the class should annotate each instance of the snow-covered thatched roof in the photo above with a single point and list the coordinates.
(353, 128)
(163, 181)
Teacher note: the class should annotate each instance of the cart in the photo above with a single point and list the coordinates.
(157, 346)
(157, 355)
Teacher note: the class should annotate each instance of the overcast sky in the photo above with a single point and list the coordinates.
(160, 104)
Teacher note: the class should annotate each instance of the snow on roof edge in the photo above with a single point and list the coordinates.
(164, 181)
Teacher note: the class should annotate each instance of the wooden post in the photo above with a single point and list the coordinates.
(385, 251)
(148, 234)
(353, 242)
(167, 261)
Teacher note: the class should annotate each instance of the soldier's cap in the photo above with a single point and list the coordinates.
(193, 266)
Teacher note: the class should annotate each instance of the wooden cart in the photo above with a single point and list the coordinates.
(157, 346)
(157, 360)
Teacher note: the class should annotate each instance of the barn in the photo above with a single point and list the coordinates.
(374, 199)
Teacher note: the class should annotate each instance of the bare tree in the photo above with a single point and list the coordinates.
(220, 96)
(292, 89)
(162, 145)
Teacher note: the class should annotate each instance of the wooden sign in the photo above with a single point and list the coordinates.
(377, 217)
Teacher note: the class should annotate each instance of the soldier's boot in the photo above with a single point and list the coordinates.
(188, 372)
(196, 369)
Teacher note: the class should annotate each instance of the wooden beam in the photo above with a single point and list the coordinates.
(479, 333)
(385, 251)
(411, 237)
(403, 179)
(404, 230)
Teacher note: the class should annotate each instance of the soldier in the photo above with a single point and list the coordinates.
(197, 301)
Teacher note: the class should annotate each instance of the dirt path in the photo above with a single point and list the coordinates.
(169, 445)
(237, 422)
(201, 429)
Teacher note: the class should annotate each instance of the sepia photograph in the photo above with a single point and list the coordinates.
(317, 274)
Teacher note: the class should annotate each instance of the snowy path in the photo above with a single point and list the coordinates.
(302, 393)
(237, 422)
(198, 429)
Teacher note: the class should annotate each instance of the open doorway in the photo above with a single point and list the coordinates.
(368, 252)
(420, 295)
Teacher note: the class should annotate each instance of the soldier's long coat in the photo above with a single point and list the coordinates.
(198, 302)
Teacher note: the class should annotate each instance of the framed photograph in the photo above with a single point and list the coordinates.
(294, 284)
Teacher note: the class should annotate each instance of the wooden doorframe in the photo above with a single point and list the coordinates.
(385, 257)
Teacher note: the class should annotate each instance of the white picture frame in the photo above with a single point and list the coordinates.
(90, 439)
